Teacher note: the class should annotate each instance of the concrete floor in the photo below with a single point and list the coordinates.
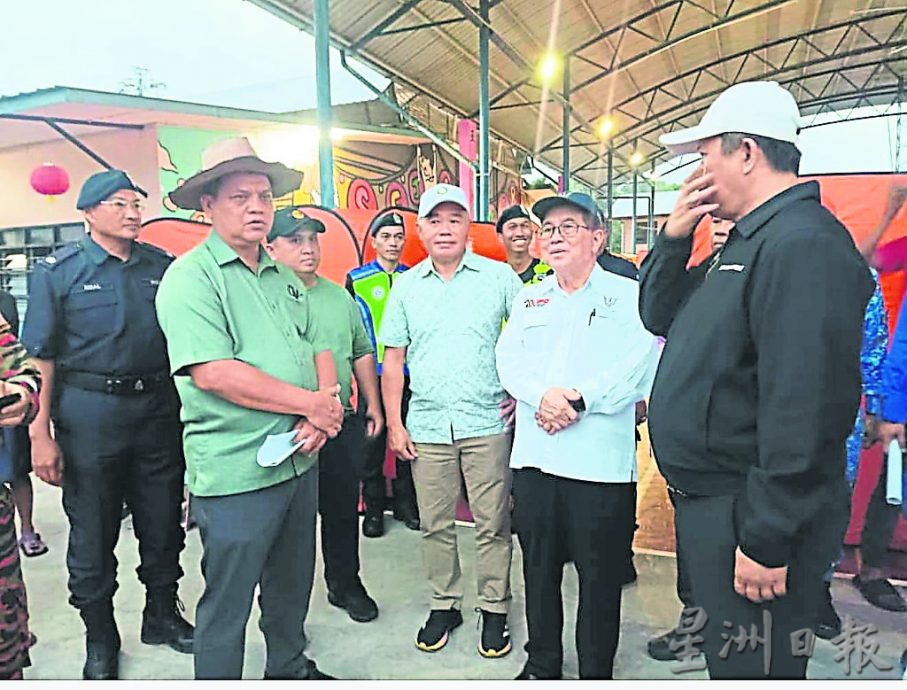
(383, 649)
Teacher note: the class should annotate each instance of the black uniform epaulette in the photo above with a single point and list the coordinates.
(156, 250)
(62, 254)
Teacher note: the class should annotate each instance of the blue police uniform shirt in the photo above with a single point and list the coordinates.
(92, 312)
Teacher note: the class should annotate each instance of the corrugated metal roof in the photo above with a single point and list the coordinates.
(653, 65)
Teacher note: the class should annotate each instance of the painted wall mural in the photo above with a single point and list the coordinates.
(367, 175)
(179, 156)
(371, 175)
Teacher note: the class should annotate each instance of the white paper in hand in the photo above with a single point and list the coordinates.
(277, 448)
(894, 487)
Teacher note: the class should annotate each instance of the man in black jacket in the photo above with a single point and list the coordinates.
(758, 383)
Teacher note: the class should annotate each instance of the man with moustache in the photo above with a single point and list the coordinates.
(443, 319)
(242, 348)
(370, 285)
(115, 436)
(759, 381)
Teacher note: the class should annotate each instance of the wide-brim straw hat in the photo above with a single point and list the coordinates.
(230, 156)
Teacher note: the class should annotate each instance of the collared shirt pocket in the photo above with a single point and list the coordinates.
(600, 323)
(148, 288)
(535, 325)
(91, 309)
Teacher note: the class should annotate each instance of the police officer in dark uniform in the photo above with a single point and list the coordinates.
(92, 326)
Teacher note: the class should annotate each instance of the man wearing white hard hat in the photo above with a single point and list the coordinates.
(758, 383)
(443, 318)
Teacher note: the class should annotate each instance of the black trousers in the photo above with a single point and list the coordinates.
(374, 488)
(116, 449)
(558, 520)
(338, 505)
(684, 588)
(879, 525)
(707, 530)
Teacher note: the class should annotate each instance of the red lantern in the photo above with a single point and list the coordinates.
(49, 180)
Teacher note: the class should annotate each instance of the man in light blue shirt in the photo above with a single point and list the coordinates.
(443, 318)
(574, 454)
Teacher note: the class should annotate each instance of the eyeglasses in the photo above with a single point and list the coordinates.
(568, 229)
(121, 205)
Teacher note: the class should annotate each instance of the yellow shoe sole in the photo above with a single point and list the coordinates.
(495, 653)
(436, 646)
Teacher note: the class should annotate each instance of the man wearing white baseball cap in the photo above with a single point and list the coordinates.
(443, 318)
(758, 384)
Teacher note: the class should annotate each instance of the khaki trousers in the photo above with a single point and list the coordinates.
(484, 464)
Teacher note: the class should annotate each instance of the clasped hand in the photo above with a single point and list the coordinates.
(555, 412)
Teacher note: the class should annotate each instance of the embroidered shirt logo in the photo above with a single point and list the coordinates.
(732, 267)
(530, 303)
(610, 301)
(378, 292)
(88, 287)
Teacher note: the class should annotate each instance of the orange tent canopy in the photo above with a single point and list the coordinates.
(343, 246)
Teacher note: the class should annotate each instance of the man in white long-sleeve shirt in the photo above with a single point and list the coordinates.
(574, 457)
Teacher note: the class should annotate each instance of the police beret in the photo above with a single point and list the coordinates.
(101, 185)
(510, 214)
(392, 219)
(289, 221)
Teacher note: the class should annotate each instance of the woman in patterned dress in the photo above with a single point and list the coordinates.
(18, 374)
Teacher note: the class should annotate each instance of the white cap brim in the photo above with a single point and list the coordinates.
(685, 140)
(428, 209)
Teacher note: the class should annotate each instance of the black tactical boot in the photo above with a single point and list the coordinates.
(162, 622)
(102, 642)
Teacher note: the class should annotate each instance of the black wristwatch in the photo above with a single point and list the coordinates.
(578, 405)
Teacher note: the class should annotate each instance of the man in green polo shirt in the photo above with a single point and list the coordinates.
(293, 242)
(240, 342)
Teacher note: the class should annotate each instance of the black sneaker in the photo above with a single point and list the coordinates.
(357, 603)
(495, 640)
(436, 631)
(659, 648)
(881, 594)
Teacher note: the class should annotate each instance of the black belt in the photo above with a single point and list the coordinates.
(115, 385)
